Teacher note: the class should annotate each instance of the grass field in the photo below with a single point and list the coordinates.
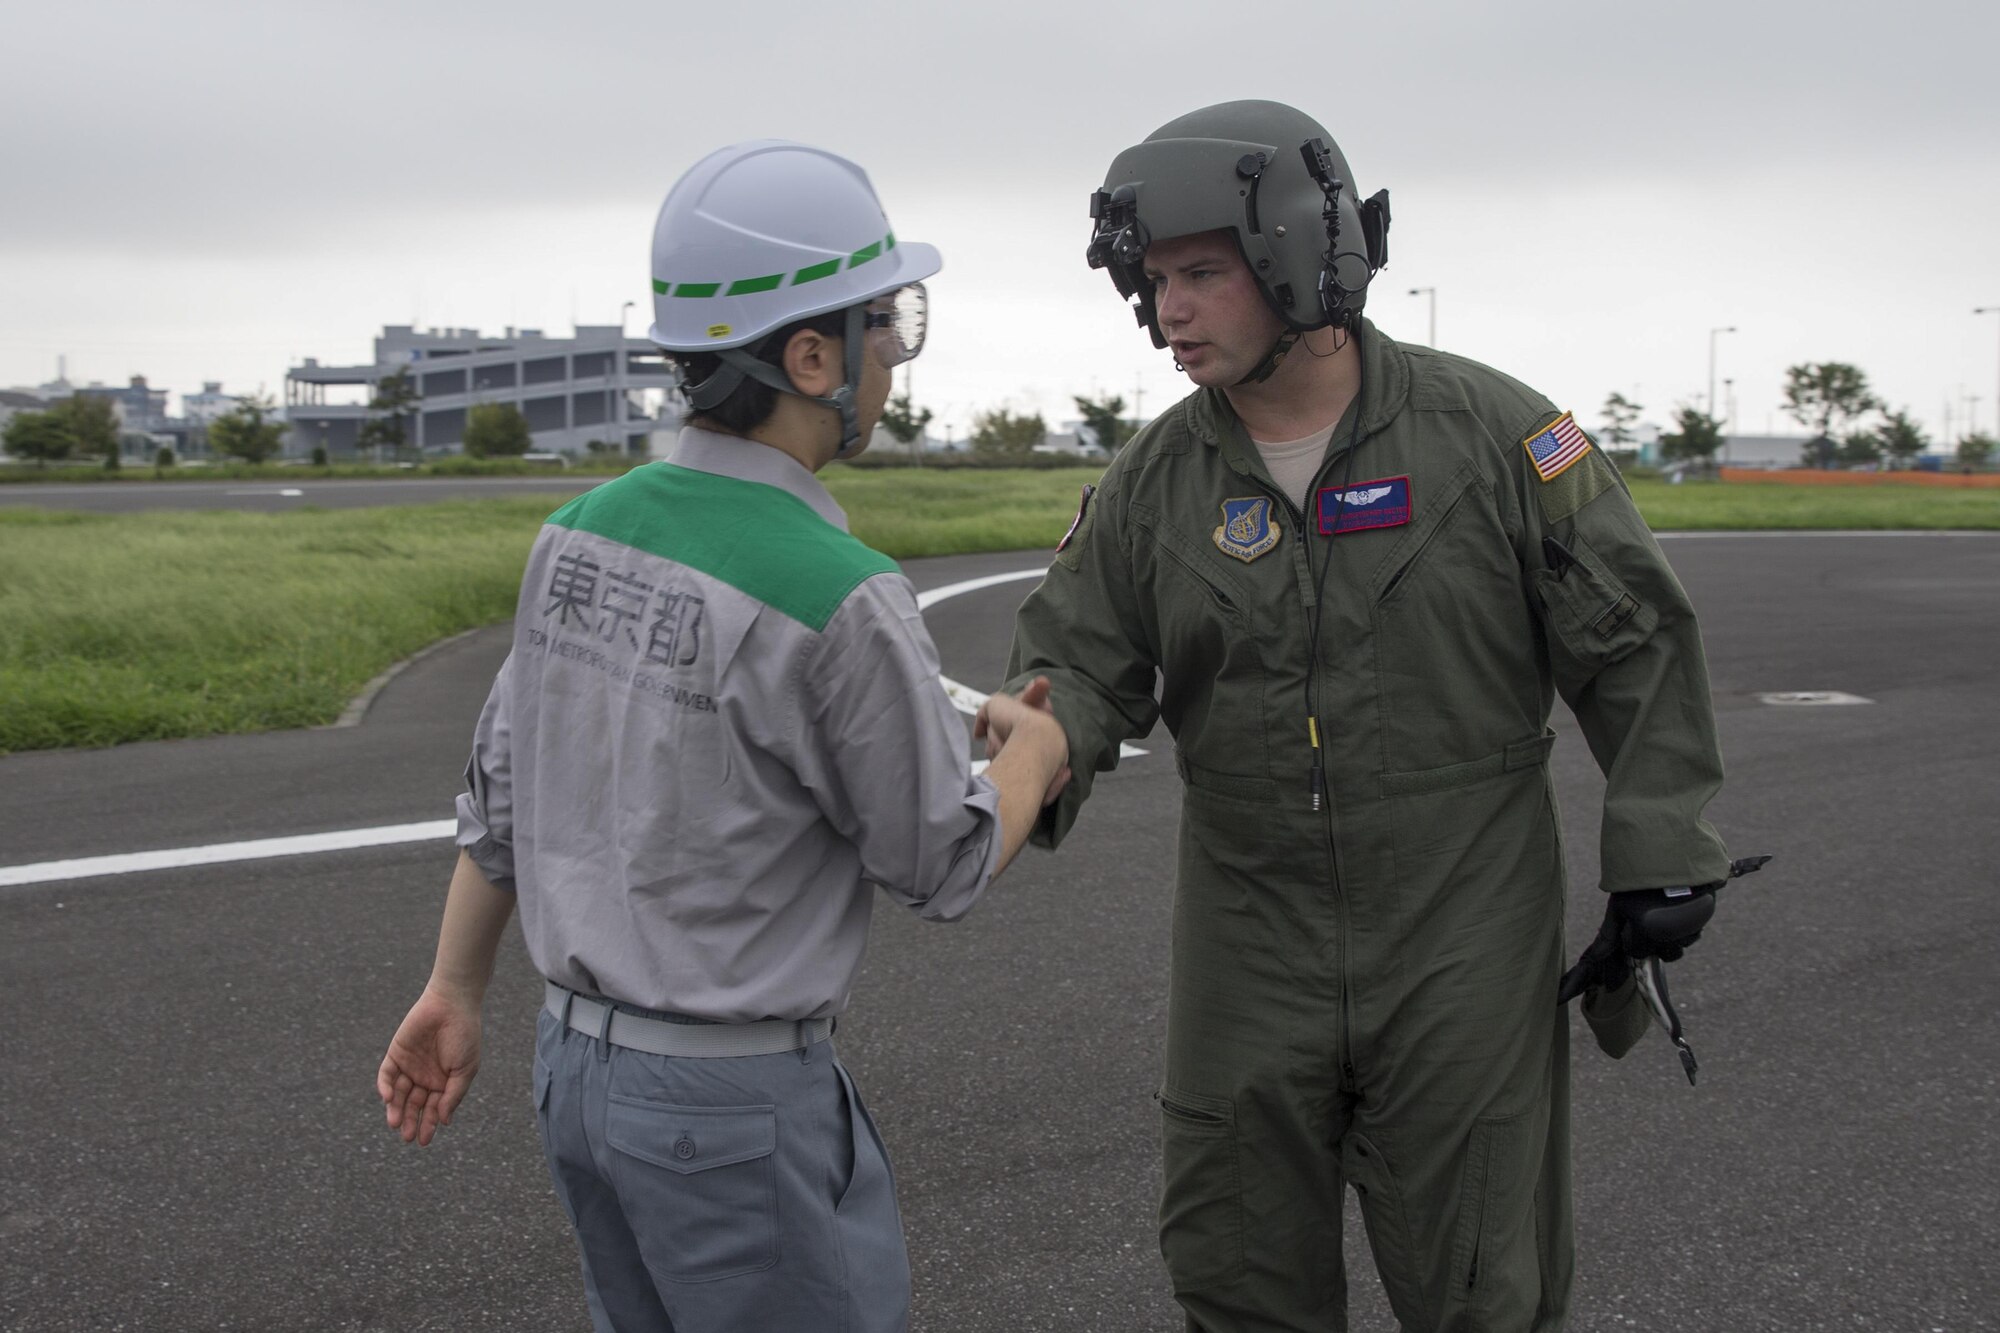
(144, 626)
(1709, 506)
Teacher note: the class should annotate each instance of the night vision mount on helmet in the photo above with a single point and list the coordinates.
(1270, 176)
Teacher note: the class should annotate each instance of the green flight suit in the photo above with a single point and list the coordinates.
(1365, 994)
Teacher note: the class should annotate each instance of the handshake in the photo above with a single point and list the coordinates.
(1025, 745)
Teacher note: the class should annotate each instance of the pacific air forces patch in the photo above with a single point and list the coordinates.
(1247, 531)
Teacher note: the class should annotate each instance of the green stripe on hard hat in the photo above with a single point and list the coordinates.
(773, 281)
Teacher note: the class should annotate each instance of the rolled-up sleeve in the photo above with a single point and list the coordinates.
(887, 758)
(486, 806)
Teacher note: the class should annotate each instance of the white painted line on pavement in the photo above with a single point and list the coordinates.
(174, 858)
(965, 699)
(926, 600)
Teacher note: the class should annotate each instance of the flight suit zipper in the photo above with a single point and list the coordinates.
(1322, 796)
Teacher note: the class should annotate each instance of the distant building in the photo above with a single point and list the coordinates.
(597, 386)
(1087, 437)
(1075, 444)
(203, 409)
(1766, 451)
(140, 407)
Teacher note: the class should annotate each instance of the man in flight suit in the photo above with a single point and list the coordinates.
(1362, 571)
(720, 725)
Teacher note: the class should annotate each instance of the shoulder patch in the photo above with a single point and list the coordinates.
(1556, 447)
(1069, 551)
(1082, 508)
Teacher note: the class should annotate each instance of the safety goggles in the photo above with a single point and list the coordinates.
(895, 324)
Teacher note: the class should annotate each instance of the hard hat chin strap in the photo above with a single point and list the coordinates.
(737, 364)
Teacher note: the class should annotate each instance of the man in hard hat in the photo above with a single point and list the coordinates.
(720, 723)
(1360, 572)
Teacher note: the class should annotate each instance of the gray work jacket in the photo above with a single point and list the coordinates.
(720, 722)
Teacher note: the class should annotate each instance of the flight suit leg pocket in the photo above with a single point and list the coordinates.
(1201, 1201)
(1495, 1264)
(698, 1184)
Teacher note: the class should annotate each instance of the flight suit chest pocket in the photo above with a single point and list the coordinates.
(1594, 615)
(1425, 542)
(701, 1185)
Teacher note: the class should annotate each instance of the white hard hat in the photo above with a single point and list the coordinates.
(760, 234)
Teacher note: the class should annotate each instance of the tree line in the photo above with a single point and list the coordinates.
(1003, 435)
(1850, 424)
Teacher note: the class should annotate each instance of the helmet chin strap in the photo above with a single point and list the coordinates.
(738, 365)
(1265, 368)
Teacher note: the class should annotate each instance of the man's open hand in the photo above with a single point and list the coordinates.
(431, 1062)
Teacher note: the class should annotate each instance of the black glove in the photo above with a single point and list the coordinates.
(1639, 923)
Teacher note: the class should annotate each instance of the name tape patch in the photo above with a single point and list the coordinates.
(1382, 503)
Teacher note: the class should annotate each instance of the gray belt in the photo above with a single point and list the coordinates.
(595, 1018)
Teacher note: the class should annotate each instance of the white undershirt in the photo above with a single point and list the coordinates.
(1294, 463)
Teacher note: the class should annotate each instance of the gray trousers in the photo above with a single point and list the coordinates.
(746, 1194)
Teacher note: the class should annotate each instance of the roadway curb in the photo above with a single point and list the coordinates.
(357, 707)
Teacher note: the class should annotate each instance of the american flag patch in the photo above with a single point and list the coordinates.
(1560, 445)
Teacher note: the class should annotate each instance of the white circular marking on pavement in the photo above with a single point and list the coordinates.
(1811, 698)
(963, 698)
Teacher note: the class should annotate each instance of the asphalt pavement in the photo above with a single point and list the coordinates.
(193, 1141)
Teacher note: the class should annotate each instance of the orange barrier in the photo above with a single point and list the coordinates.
(1799, 476)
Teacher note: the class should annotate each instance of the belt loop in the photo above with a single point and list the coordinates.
(604, 1033)
(569, 998)
(805, 1041)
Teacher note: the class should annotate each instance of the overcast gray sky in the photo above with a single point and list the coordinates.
(209, 190)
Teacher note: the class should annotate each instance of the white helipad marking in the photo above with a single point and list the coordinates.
(216, 853)
(926, 600)
(965, 699)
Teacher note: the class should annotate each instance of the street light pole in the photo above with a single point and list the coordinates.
(1431, 292)
(1712, 334)
(1972, 427)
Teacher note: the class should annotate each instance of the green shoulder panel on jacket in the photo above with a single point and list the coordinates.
(758, 539)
